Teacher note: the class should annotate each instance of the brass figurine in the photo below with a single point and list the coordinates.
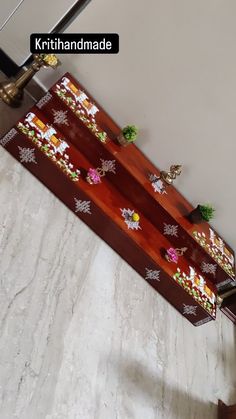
(12, 92)
(168, 177)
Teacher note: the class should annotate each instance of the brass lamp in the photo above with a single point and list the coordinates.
(12, 92)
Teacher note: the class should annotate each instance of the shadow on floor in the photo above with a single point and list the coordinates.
(169, 402)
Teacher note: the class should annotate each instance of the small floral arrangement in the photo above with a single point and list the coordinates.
(102, 136)
(93, 176)
(207, 212)
(131, 218)
(127, 135)
(172, 255)
(130, 133)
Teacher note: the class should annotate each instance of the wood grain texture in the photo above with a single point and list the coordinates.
(226, 412)
(133, 180)
(143, 249)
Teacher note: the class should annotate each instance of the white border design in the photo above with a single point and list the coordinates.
(44, 100)
(203, 321)
(8, 137)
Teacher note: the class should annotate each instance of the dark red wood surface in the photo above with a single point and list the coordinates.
(132, 180)
(143, 249)
(226, 412)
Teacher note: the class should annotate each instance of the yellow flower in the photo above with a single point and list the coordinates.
(51, 60)
(135, 217)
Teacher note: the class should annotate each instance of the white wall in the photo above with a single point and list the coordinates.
(175, 77)
(7, 10)
(25, 17)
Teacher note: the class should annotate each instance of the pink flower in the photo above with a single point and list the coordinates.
(172, 255)
(94, 176)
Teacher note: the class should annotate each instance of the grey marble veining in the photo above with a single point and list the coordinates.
(82, 336)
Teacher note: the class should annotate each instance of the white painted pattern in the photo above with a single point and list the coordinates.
(8, 137)
(209, 268)
(171, 230)
(44, 100)
(152, 274)
(203, 321)
(189, 310)
(82, 206)
(127, 215)
(157, 184)
(109, 165)
(60, 117)
(27, 155)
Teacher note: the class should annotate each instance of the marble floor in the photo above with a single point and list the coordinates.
(82, 336)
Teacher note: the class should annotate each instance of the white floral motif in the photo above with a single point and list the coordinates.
(157, 184)
(27, 155)
(208, 268)
(108, 166)
(170, 230)
(189, 310)
(60, 117)
(152, 274)
(82, 206)
(127, 214)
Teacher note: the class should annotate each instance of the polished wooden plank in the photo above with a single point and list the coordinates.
(143, 249)
(133, 180)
